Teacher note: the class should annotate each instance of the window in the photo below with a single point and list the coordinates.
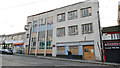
(86, 12)
(115, 36)
(73, 30)
(42, 21)
(72, 15)
(42, 45)
(33, 39)
(87, 28)
(61, 17)
(34, 45)
(61, 31)
(50, 20)
(34, 23)
(27, 35)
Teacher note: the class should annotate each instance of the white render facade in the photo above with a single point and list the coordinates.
(81, 38)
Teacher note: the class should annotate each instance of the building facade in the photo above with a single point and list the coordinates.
(72, 28)
(2, 40)
(111, 43)
(14, 41)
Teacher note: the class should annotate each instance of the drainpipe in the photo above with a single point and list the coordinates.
(100, 32)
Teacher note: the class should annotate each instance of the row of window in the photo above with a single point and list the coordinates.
(43, 21)
(42, 45)
(74, 14)
(61, 17)
(73, 30)
(115, 36)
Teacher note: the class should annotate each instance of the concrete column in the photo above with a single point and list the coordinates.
(37, 39)
(45, 39)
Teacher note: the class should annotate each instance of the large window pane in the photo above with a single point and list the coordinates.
(61, 17)
(86, 12)
(61, 31)
(73, 30)
(72, 15)
(87, 28)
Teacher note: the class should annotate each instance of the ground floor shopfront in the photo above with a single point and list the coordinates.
(112, 51)
(80, 50)
(18, 47)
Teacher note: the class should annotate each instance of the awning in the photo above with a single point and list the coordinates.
(18, 43)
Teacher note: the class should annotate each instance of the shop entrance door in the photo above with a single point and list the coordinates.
(88, 52)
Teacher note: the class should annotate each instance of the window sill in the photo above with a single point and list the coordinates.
(88, 33)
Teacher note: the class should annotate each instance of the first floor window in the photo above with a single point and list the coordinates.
(61, 31)
(34, 45)
(87, 28)
(73, 30)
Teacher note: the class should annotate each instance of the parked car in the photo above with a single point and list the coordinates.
(6, 51)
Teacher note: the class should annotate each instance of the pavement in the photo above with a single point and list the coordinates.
(15, 60)
(71, 60)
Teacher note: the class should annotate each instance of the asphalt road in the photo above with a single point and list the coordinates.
(12, 60)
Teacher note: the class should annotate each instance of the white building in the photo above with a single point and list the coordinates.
(72, 28)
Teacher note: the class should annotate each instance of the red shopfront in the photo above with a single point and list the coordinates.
(112, 51)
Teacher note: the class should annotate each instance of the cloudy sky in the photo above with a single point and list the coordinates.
(13, 13)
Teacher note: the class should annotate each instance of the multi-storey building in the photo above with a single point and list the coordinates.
(14, 41)
(2, 40)
(74, 28)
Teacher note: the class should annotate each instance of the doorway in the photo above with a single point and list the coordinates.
(88, 52)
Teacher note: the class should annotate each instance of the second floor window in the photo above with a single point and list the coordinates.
(87, 28)
(61, 17)
(42, 21)
(72, 15)
(73, 30)
(34, 23)
(61, 31)
(50, 20)
(86, 12)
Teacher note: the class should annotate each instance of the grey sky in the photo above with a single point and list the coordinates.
(13, 13)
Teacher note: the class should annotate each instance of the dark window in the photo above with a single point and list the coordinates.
(61, 17)
(27, 35)
(86, 12)
(73, 30)
(72, 15)
(34, 23)
(86, 50)
(61, 31)
(87, 28)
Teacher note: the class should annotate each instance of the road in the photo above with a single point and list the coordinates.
(13, 60)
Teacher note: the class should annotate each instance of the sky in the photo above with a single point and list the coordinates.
(13, 13)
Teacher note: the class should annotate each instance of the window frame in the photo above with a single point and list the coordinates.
(86, 29)
(74, 28)
(58, 34)
(62, 17)
(85, 12)
(73, 16)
